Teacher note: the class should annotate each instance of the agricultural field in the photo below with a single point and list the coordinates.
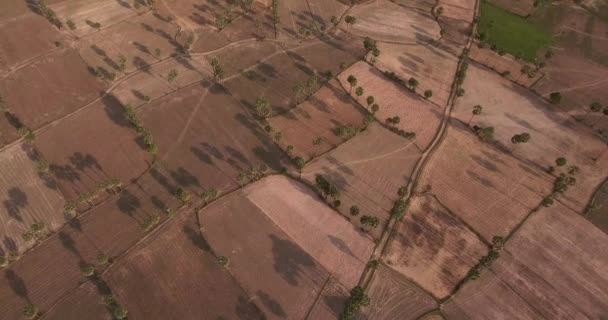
(511, 33)
(368, 171)
(433, 247)
(393, 297)
(491, 191)
(303, 159)
(553, 241)
(320, 116)
(511, 110)
(415, 114)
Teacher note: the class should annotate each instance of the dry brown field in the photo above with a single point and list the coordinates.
(280, 276)
(83, 303)
(106, 147)
(45, 274)
(597, 211)
(86, 13)
(47, 89)
(423, 5)
(519, 7)
(207, 137)
(505, 64)
(173, 274)
(135, 88)
(416, 114)
(393, 297)
(330, 302)
(188, 71)
(331, 240)
(432, 66)
(323, 11)
(386, 21)
(141, 40)
(511, 109)
(238, 57)
(554, 267)
(26, 198)
(274, 78)
(17, 49)
(490, 190)
(456, 21)
(294, 17)
(433, 247)
(328, 54)
(257, 24)
(319, 116)
(368, 170)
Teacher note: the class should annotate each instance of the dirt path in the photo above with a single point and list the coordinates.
(418, 170)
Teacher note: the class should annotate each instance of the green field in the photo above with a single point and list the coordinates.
(511, 33)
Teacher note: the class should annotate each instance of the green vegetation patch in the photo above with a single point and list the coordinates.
(511, 33)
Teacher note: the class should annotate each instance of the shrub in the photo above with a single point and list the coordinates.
(354, 211)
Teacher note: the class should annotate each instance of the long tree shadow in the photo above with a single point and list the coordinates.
(16, 283)
(128, 203)
(289, 259)
(17, 200)
(270, 303)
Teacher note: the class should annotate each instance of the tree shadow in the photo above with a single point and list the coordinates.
(128, 203)
(196, 238)
(273, 305)
(341, 245)
(114, 110)
(16, 283)
(289, 259)
(17, 200)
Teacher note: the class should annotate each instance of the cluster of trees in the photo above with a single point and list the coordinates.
(143, 133)
(118, 311)
(209, 195)
(350, 20)
(370, 221)
(42, 8)
(172, 75)
(150, 222)
(371, 46)
(304, 89)
(328, 190)
(252, 174)
(276, 19)
(520, 138)
(229, 14)
(355, 302)
(218, 70)
(37, 231)
(345, 131)
(400, 204)
(263, 108)
(183, 195)
(460, 76)
(484, 133)
(25, 132)
(103, 74)
(487, 260)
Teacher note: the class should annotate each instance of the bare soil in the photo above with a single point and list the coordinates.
(319, 116)
(340, 248)
(433, 248)
(48, 89)
(174, 274)
(506, 64)
(519, 7)
(85, 14)
(490, 190)
(511, 110)
(83, 303)
(330, 302)
(107, 147)
(432, 66)
(393, 297)
(368, 170)
(415, 114)
(555, 241)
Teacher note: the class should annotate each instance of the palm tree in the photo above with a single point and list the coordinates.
(476, 111)
(519, 138)
(412, 84)
(352, 81)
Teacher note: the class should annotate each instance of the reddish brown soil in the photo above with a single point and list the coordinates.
(424, 5)
(330, 302)
(16, 49)
(488, 189)
(416, 114)
(511, 110)
(456, 21)
(504, 64)
(340, 248)
(433, 67)
(137, 87)
(393, 297)
(368, 170)
(554, 267)
(238, 57)
(136, 39)
(323, 11)
(46, 274)
(254, 25)
(26, 197)
(48, 89)
(388, 22)
(207, 138)
(318, 116)
(85, 13)
(83, 303)
(107, 147)
(282, 278)
(174, 274)
(433, 248)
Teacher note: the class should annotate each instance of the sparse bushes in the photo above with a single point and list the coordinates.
(350, 20)
(87, 270)
(262, 107)
(103, 259)
(30, 311)
(41, 7)
(183, 195)
(37, 231)
(326, 189)
(487, 260)
(345, 131)
(172, 75)
(143, 133)
(223, 261)
(209, 195)
(370, 221)
(354, 211)
(218, 70)
(355, 302)
(71, 24)
(150, 222)
(252, 174)
(485, 134)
